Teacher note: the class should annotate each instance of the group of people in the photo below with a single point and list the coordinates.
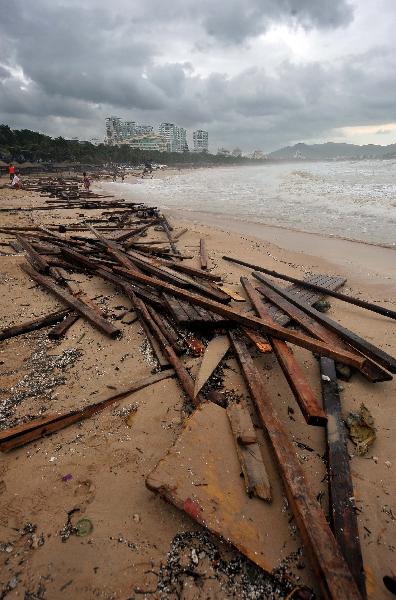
(15, 180)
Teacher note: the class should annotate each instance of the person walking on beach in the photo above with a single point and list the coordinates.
(86, 182)
(11, 171)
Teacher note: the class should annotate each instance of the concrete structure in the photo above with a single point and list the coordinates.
(150, 142)
(119, 131)
(176, 137)
(200, 140)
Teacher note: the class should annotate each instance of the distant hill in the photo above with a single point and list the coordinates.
(332, 150)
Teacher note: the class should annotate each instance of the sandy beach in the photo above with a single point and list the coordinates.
(98, 468)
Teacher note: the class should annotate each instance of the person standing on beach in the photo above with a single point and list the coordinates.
(86, 182)
(11, 171)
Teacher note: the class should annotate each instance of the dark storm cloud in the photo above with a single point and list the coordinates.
(65, 66)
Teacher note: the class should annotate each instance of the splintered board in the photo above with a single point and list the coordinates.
(201, 475)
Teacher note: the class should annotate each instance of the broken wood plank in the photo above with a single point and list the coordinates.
(387, 312)
(200, 475)
(354, 340)
(203, 254)
(34, 257)
(249, 453)
(93, 316)
(370, 370)
(332, 572)
(47, 424)
(214, 353)
(234, 295)
(33, 325)
(250, 321)
(261, 342)
(190, 270)
(167, 332)
(59, 330)
(341, 494)
(299, 385)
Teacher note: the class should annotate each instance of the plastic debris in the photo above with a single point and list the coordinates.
(84, 527)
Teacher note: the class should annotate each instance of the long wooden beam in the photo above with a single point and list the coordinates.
(33, 325)
(341, 494)
(93, 316)
(367, 348)
(47, 424)
(370, 370)
(302, 391)
(331, 570)
(387, 312)
(244, 319)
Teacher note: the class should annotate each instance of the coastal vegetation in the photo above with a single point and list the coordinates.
(24, 145)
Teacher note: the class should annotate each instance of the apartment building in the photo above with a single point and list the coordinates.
(200, 140)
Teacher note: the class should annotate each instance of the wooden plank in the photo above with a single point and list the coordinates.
(47, 424)
(33, 325)
(203, 254)
(303, 393)
(59, 330)
(341, 494)
(370, 370)
(190, 270)
(34, 257)
(250, 321)
(215, 351)
(387, 312)
(253, 468)
(354, 340)
(262, 344)
(200, 475)
(329, 565)
(93, 316)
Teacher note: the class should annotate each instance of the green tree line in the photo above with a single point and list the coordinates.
(25, 145)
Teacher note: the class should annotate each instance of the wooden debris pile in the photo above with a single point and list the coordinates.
(177, 303)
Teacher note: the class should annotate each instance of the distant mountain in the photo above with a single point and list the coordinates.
(332, 150)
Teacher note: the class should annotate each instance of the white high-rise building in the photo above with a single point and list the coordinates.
(176, 137)
(200, 139)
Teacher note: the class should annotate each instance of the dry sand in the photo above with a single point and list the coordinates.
(126, 555)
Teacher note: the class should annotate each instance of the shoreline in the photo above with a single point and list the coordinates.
(365, 263)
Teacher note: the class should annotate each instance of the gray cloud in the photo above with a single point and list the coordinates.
(64, 67)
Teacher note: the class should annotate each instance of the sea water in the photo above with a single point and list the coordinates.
(350, 199)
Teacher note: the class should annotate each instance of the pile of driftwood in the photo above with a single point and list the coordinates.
(171, 299)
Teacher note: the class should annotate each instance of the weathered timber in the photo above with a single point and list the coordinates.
(33, 325)
(167, 332)
(190, 270)
(249, 453)
(302, 391)
(178, 235)
(341, 495)
(354, 340)
(370, 370)
(28, 432)
(59, 330)
(93, 316)
(168, 274)
(262, 344)
(328, 562)
(34, 257)
(387, 312)
(167, 230)
(203, 254)
(234, 315)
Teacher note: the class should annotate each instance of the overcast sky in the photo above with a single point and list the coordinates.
(258, 74)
